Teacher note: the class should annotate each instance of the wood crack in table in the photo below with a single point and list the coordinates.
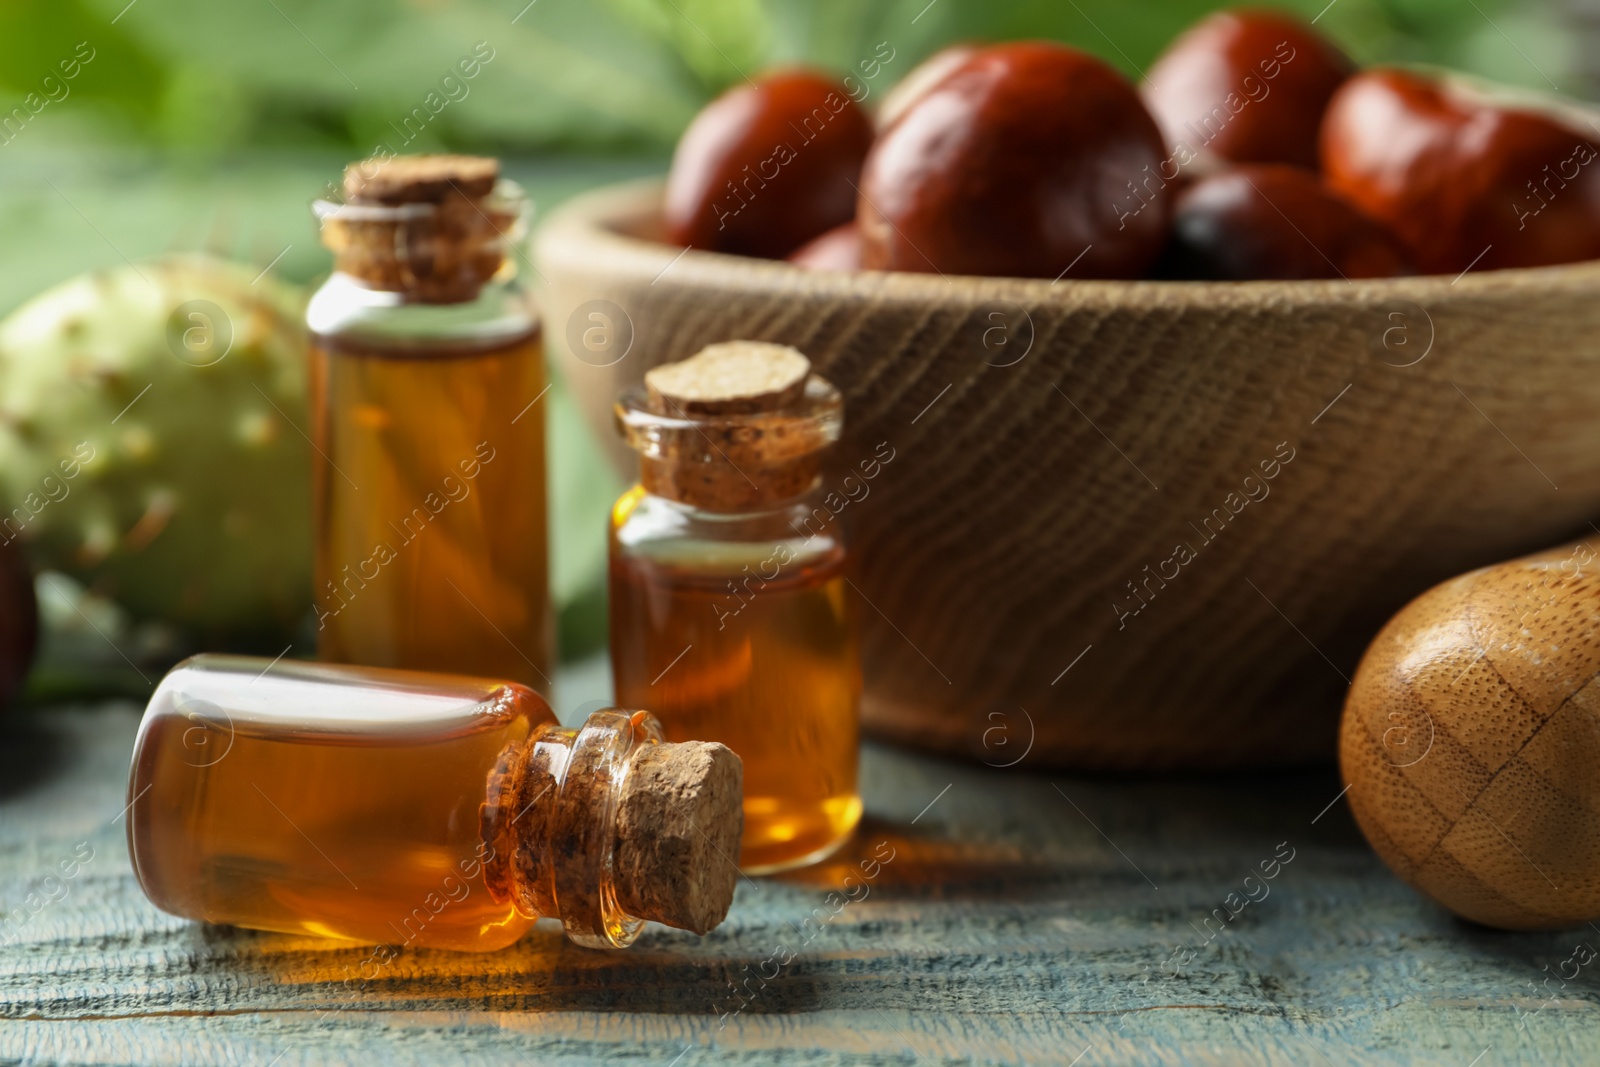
(990, 916)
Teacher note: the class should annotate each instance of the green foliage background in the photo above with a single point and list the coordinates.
(211, 77)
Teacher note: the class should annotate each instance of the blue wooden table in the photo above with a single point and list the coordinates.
(995, 916)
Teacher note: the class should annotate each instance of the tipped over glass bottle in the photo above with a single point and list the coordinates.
(429, 476)
(402, 808)
(731, 616)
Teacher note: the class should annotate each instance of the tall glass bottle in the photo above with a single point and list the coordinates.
(429, 478)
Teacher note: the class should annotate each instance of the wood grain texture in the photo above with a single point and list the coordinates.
(1022, 919)
(1034, 483)
(1471, 739)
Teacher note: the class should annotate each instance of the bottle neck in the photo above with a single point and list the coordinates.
(549, 822)
(440, 252)
(717, 484)
(420, 269)
(737, 462)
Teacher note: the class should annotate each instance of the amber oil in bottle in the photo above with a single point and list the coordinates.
(731, 616)
(403, 808)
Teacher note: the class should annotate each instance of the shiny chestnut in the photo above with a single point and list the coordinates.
(923, 77)
(1027, 160)
(1467, 182)
(1244, 86)
(766, 167)
(1273, 221)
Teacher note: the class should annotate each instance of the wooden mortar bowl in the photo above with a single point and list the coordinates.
(1051, 440)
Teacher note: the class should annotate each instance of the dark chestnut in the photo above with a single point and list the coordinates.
(838, 249)
(1026, 160)
(19, 622)
(1464, 180)
(1244, 86)
(1273, 221)
(768, 166)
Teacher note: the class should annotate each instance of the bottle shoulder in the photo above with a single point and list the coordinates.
(668, 532)
(349, 313)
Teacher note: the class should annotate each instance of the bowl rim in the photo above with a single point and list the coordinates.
(604, 224)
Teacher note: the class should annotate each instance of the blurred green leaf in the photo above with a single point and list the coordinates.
(555, 76)
(720, 41)
(205, 78)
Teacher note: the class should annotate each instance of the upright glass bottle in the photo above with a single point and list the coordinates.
(429, 478)
(401, 808)
(731, 617)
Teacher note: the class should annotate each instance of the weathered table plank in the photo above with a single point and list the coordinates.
(1021, 918)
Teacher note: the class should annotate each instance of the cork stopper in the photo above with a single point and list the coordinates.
(731, 378)
(739, 426)
(678, 825)
(434, 228)
(607, 825)
(420, 179)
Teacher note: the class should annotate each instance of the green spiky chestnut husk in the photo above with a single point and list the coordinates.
(152, 446)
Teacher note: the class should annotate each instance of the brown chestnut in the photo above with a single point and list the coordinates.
(1465, 181)
(1272, 221)
(766, 167)
(838, 249)
(924, 76)
(1244, 86)
(1027, 160)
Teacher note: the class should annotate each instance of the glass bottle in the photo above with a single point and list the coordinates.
(429, 479)
(730, 613)
(403, 808)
